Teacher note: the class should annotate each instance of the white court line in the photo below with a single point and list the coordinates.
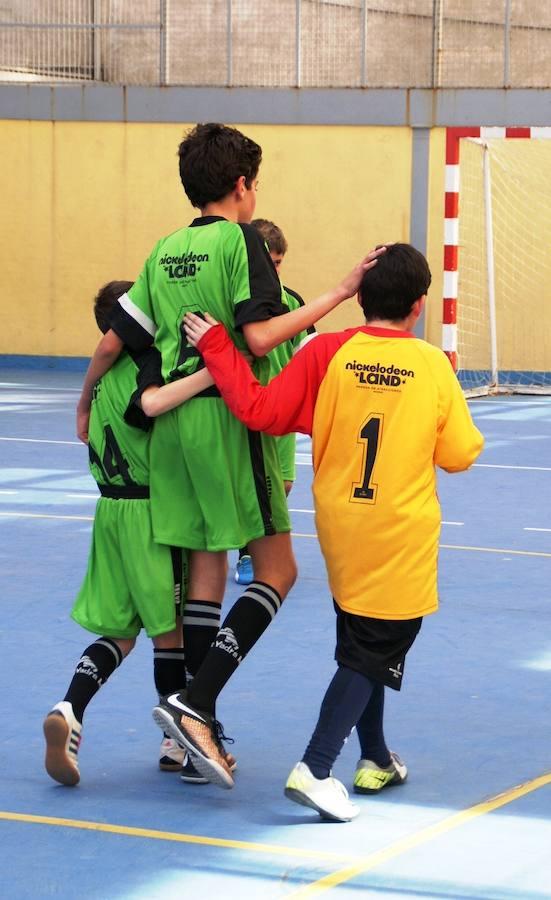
(537, 529)
(461, 547)
(475, 466)
(311, 512)
(528, 468)
(19, 515)
(36, 387)
(38, 441)
(8, 492)
(84, 496)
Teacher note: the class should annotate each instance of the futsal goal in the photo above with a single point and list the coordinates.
(497, 258)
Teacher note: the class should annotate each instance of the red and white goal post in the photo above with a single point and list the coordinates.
(497, 258)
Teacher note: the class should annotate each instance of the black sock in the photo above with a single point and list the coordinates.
(246, 621)
(169, 670)
(94, 667)
(200, 623)
(244, 551)
(370, 729)
(343, 704)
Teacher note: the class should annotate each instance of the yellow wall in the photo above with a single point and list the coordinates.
(83, 203)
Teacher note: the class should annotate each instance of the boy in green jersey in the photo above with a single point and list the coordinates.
(131, 582)
(274, 239)
(215, 485)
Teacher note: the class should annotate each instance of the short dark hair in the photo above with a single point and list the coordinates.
(105, 300)
(272, 235)
(389, 289)
(212, 158)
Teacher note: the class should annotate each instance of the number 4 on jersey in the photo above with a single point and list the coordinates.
(369, 438)
(113, 462)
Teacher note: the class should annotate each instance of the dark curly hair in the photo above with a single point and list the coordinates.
(212, 158)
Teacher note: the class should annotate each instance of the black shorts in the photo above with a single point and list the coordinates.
(375, 647)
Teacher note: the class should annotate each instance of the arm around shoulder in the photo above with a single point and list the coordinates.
(157, 400)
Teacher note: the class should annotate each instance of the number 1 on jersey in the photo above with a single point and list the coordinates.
(370, 436)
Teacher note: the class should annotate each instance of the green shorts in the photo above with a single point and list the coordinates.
(131, 582)
(286, 451)
(214, 484)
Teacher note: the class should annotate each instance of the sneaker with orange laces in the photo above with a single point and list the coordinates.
(190, 774)
(196, 731)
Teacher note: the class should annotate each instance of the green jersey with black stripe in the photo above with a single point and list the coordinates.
(118, 436)
(214, 266)
(214, 485)
(279, 357)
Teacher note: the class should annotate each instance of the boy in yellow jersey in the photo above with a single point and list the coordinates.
(384, 409)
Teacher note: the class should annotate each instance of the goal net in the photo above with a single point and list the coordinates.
(504, 265)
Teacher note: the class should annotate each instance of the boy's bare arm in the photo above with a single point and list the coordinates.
(105, 354)
(156, 400)
(262, 337)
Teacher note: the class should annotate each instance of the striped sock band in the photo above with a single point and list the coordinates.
(245, 623)
(94, 667)
(201, 622)
(169, 670)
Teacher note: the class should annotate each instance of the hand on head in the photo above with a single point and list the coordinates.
(351, 282)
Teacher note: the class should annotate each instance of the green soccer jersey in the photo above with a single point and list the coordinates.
(214, 486)
(281, 354)
(118, 437)
(213, 266)
(279, 357)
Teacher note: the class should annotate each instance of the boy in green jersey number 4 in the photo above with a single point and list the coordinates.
(131, 582)
(215, 485)
(277, 245)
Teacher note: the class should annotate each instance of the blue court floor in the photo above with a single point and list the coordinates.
(472, 722)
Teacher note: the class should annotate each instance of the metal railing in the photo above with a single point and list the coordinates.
(279, 43)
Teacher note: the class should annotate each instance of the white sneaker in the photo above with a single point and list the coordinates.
(63, 734)
(171, 755)
(326, 795)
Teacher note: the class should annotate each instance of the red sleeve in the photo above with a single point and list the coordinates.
(287, 403)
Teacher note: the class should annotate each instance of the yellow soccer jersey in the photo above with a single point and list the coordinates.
(384, 408)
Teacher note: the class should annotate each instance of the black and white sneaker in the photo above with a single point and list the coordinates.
(190, 774)
(197, 732)
(63, 732)
(171, 755)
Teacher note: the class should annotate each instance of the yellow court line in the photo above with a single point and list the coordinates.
(176, 836)
(359, 866)
(420, 837)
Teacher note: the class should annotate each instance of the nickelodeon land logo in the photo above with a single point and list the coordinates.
(376, 374)
(184, 266)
